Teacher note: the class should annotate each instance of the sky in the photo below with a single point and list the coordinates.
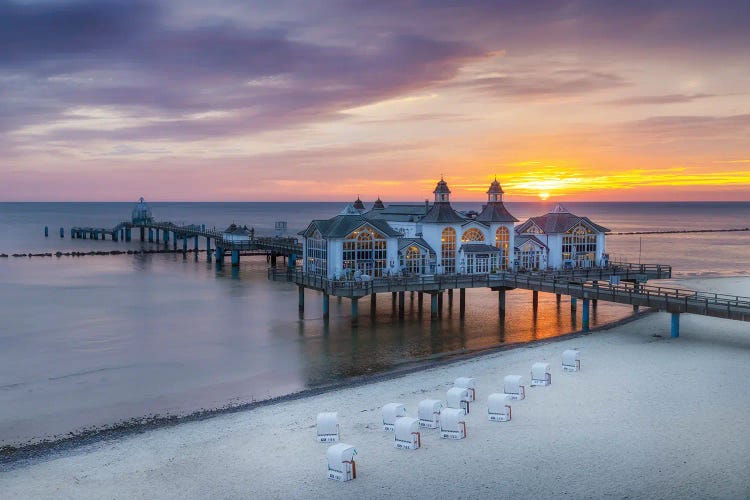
(571, 100)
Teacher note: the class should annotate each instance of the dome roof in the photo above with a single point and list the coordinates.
(442, 187)
(495, 188)
(378, 204)
(358, 204)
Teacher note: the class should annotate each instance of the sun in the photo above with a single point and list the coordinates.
(544, 196)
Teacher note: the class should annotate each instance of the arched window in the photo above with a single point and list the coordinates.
(317, 254)
(365, 251)
(502, 241)
(472, 234)
(579, 245)
(413, 260)
(448, 258)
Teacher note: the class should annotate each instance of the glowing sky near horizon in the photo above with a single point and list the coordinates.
(327, 100)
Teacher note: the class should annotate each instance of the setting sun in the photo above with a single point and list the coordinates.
(544, 196)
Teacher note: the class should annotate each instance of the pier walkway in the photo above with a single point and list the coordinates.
(622, 283)
(158, 232)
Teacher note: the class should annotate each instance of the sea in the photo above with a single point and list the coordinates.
(105, 340)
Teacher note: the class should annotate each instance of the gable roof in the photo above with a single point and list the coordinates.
(236, 230)
(399, 212)
(520, 240)
(559, 222)
(478, 248)
(404, 243)
(344, 224)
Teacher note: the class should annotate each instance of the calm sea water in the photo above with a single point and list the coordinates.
(97, 340)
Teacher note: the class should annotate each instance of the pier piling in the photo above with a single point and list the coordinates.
(301, 297)
(326, 313)
(208, 249)
(420, 301)
(219, 254)
(585, 316)
(355, 311)
(62, 232)
(434, 305)
(373, 303)
(46, 231)
(462, 302)
(501, 301)
(401, 298)
(573, 304)
(143, 233)
(440, 303)
(235, 258)
(535, 300)
(675, 327)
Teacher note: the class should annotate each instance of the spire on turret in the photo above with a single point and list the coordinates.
(358, 204)
(495, 193)
(442, 193)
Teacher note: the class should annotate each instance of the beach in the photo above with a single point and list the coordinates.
(647, 416)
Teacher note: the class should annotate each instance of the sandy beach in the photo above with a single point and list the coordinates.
(648, 416)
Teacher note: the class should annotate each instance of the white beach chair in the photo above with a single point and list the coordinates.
(458, 397)
(328, 427)
(391, 412)
(429, 413)
(407, 434)
(571, 360)
(498, 409)
(452, 423)
(341, 465)
(467, 383)
(513, 386)
(540, 374)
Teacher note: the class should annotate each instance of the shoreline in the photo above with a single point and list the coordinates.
(12, 457)
(15, 456)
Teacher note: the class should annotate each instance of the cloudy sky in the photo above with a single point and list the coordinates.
(326, 100)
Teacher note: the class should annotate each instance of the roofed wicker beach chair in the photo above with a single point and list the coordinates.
(498, 409)
(513, 386)
(571, 360)
(458, 397)
(540, 374)
(328, 427)
(429, 413)
(407, 434)
(391, 412)
(452, 424)
(467, 383)
(341, 465)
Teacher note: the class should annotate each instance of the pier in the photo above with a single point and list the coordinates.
(589, 286)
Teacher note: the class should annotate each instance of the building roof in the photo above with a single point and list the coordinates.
(495, 211)
(478, 248)
(442, 187)
(399, 213)
(404, 243)
(442, 212)
(346, 223)
(236, 230)
(520, 240)
(378, 204)
(358, 204)
(559, 220)
(495, 188)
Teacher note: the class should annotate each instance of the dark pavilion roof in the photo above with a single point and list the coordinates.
(378, 204)
(478, 248)
(520, 240)
(495, 212)
(495, 188)
(347, 222)
(358, 204)
(236, 230)
(404, 243)
(559, 220)
(399, 212)
(442, 187)
(442, 212)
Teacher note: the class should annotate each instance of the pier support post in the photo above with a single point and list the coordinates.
(150, 235)
(373, 303)
(114, 235)
(326, 313)
(46, 231)
(558, 298)
(434, 305)
(450, 299)
(401, 298)
(292, 261)
(273, 259)
(174, 242)
(635, 308)
(184, 244)
(195, 244)
(501, 301)
(594, 303)
(301, 297)
(219, 254)
(585, 315)
(440, 303)
(143, 233)
(166, 238)
(675, 330)
(462, 302)
(393, 300)
(420, 301)
(235, 258)
(535, 300)
(355, 311)
(208, 249)
(158, 240)
(128, 236)
(62, 232)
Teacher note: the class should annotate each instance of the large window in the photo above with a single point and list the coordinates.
(317, 254)
(472, 234)
(413, 260)
(365, 251)
(579, 245)
(502, 241)
(448, 257)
